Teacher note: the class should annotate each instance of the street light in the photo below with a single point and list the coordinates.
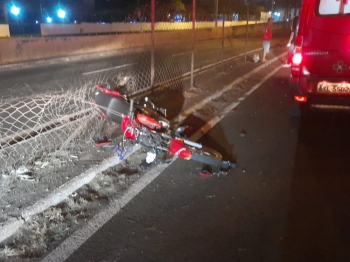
(48, 19)
(15, 10)
(61, 13)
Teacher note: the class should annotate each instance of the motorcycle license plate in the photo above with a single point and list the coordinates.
(334, 88)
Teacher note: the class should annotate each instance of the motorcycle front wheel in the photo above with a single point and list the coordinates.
(207, 156)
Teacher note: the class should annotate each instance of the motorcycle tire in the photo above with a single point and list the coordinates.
(207, 156)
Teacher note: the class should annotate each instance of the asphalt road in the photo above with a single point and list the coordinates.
(292, 203)
(170, 61)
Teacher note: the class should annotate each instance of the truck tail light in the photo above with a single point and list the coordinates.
(296, 62)
(302, 99)
(297, 58)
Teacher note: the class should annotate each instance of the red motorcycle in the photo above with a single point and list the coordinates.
(145, 124)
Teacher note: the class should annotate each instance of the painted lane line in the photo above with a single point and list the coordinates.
(71, 244)
(181, 54)
(57, 196)
(108, 69)
(206, 128)
(78, 238)
(199, 105)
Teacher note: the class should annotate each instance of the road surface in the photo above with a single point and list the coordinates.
(292, 203)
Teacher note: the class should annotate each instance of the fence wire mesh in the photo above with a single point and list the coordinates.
(38, 127)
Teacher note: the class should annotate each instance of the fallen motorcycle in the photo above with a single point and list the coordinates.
(145, 124)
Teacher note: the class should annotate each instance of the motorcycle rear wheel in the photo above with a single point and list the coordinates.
(207, 156)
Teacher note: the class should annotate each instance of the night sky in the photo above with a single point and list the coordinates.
(31, 9)
(88, 5)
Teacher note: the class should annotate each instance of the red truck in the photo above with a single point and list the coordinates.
(320, 70)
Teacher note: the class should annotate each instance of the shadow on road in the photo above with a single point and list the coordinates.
(171, 99)
(215, 139)
(318, 227)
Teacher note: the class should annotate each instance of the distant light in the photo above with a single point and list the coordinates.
(270, 12)
(75, 21)
(37, 22)
(15, 10)
(61, 13)
(48, 19)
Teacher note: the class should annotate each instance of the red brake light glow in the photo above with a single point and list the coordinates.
(302, 99)
(297, 58)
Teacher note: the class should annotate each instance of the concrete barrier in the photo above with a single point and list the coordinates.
(15, 50)
(4, 30)
(93, 28)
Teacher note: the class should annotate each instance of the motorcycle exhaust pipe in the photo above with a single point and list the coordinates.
(186, 142)
(193, 144)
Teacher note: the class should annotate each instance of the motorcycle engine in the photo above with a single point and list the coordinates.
(148, 138)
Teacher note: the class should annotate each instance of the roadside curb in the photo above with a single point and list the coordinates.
(10, 227)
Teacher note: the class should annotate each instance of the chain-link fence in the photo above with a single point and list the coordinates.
(36, 128)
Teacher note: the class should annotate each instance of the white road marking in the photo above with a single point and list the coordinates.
(200, 104)
(108, 69)
(180, 54)
(71, 244)
(205, 129)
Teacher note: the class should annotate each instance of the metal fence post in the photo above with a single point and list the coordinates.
(193, 41)
(246, 34)
(153, 11)
(223, 37)
(216, 12)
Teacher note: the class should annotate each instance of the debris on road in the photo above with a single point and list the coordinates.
(243, 133)
(23, 170)
(213, 196)
(205, 173)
